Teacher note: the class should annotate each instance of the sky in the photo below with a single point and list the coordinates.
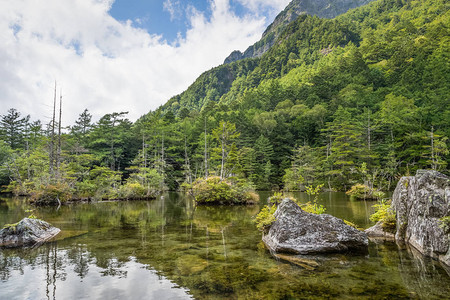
(112, 56)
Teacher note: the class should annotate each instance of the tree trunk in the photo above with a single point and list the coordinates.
(206, 154)
(223, 151)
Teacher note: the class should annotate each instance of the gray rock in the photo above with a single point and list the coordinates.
(299, 232)
(28, 232)
(419, 202)
(377, 231)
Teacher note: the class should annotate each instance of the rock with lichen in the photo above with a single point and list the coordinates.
(299, 232)
(27, 232)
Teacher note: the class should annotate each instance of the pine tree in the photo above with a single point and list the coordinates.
(12, 128)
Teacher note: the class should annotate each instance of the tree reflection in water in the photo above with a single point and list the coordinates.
(148, 249)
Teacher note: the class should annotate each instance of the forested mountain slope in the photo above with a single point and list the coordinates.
(364, 93)
(213, 84)
(320, 8)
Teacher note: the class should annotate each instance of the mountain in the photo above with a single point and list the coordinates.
(214, 83)
(321, 8)
(332, 101)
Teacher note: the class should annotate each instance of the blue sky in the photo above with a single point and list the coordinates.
(170, 18)
(155, 17)
(123, 55)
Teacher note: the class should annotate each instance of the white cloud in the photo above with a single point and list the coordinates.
(255, 5)
(102, 64)
(173, 7)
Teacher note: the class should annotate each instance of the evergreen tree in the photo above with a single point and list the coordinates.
(12, 128)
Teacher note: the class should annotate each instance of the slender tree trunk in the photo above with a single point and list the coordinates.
(144, 154)
(433, 162)
(206, 154)
(368, 129)
(28, 150)
(223, 151)
(58, 157)
(187, 163)
(52, 137)
(162, 160)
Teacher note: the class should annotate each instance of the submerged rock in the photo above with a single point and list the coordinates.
(302, 262)
(420, 202)
(377, 231)
(27, 232)
(299, 232)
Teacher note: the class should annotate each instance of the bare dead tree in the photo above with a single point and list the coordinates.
(58, 156)
(52, 136)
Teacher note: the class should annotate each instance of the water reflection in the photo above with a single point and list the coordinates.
(148, 249)
(54, 273)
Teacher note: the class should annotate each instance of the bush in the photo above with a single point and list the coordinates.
(445, 224)
(359, 191)
(85, 189)
(313, 208)
(362, 191)
(265, 218)
(134, 190)
(131, 190)
(223, 191)
(386, 215)
(276, 198)
(351, 224)
(49, 194)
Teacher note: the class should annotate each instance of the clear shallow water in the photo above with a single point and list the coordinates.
(169, 249)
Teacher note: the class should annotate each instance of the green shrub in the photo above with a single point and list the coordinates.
(313, 191)
(31, 216)
(49, 194)
(132, 190)
(386, 215)
(313, 208)
(351, 224)
(276, 198)
(445, 224)
(362, 191)
(85, 189)
(378, 195)
(265, 218)
(215, 190)
(359, 191)
(185, 187)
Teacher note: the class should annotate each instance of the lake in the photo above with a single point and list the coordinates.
(169, 249)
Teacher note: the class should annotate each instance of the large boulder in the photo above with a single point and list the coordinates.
(420, 202)
(299, 232)
(28, 232)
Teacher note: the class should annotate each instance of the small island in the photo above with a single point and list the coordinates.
(229, 191)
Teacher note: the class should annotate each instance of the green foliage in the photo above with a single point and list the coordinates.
(386, 215)
(361, 98)
(132, 190)
(313, 208)
(215, 190)
(445, 224)
(143, 183)
(359, 191)
(265, 218)
(276, 198)
(351, 224)
(51, 193)
(31, 216)
(314, 191)
(14, 129)
(362, 191)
